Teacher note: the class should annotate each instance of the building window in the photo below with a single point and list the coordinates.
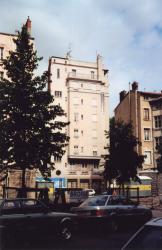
(95, 166)
(82, 132)
(92, 74)
(82, 149)
(58, 94)
(147, 134)
(1, 75)
(84, 165)
(1, 53)
(76, 115)
(94, 153)
(57, 159)
(73, 72)
(82, 101)
(102, 102)
(76, 133)
(158, 121)
(72, 183)
(148, 160)
(58, 73)
(81, 117)
(146, 114)
(157, 142)
(76, 150)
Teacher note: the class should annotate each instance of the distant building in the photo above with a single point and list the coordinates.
(81, 89)
(144, 110)
(7, 44)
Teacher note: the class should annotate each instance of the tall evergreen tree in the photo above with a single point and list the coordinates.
(159, 159)
(122, 161)
(30, 130)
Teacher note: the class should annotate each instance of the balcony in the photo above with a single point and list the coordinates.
(82, 76)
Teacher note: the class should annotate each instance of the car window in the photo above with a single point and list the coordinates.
(32, 206)
(115, 200)
(150, 238)
(95, 201)
(11, 204)
(11, 207)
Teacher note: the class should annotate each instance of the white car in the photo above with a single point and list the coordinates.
(148, 237)
(91, 192)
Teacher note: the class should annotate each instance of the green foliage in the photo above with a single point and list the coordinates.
(122, 161)
(159, 160)
(30, 130)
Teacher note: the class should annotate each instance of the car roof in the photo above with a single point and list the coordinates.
(155, 222)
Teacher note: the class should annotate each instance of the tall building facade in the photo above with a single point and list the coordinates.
(144, 110)
(81, 89)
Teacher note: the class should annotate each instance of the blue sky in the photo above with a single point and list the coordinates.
(128, 34)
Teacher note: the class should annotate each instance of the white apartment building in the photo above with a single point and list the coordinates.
(81, 89)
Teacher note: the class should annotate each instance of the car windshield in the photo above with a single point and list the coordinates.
(149, 238)
(95, 201)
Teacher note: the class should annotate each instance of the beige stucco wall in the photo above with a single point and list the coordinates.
(81, 94)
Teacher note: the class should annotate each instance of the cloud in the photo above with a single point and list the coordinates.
(128, 34)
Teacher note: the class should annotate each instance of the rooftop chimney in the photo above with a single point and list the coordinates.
(122, 95)
(135, 86)
(28, 26)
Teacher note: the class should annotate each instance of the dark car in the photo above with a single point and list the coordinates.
(30, 217)
(111, 211)
(148, 237)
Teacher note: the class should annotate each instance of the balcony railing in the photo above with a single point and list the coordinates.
(85, 172)
(82, 76)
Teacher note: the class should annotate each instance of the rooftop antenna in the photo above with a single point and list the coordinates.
(68, 54)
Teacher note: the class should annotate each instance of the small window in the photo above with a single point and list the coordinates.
(147, 134)
(157, 142)
(81, 117)
(76, 149)
(95, 166)
(82, 101)
(158, 121)
(94, 153)
(76, 133)
(82, 132)
(146, 114)
(148, 159)
(73, 72)
(1, 53)
(92, 75)
(58, 94)
(82, 149)
(76, 116)
(58, 73)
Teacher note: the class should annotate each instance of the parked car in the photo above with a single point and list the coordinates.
(91, 192)
(111, 211)
(27, 217)
(148, 237)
